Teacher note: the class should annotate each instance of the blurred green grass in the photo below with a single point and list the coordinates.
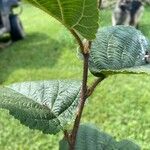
(120, 106)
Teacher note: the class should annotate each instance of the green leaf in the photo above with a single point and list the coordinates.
(127, 145)
(78, 15)
(44, 105)
(119, 49)
(90, 138)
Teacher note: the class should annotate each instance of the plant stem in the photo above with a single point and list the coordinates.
(84, 47)
(82, 102)
(78, 40)
(66, 134)
(67, 137)
(94, 85)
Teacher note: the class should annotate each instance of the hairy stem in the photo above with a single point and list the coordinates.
(82, 102)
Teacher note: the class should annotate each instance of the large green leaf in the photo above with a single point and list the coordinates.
(79, 15)
(119, 49)
(43, 105)
(127, 145)
(91, 138)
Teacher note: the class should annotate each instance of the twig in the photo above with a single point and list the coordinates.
(94, 85)
(82, 102)
(85, 48)
(67, 137)
(66, 134)
(78, 40)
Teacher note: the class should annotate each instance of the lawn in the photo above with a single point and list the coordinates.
(120, 106)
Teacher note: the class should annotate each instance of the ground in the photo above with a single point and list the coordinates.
(120, 106)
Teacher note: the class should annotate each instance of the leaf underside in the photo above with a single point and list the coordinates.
(78, 15)
(119, 49)
(44, 105)
(90, 138)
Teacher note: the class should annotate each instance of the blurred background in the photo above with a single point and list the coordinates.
(120, 106)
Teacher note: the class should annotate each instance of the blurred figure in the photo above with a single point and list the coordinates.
(121, 14)
(99, 3)
(127, 12)
(136, 12)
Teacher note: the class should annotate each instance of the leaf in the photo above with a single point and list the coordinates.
(90, 138)
(78, 15)
(44, 105)
(119, 49)
(127, 145)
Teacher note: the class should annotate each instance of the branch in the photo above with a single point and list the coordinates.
(82, 102)
(94, 85)
(67, 136)
(78, 40)
(84, 47)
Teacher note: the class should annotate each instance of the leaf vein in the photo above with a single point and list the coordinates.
(82, 14)
(61, 10)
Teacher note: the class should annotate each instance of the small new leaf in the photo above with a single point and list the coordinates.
(44, 105)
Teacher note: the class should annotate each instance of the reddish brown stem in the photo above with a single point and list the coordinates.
(85, 47)
(67, 136)
(81, 104)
